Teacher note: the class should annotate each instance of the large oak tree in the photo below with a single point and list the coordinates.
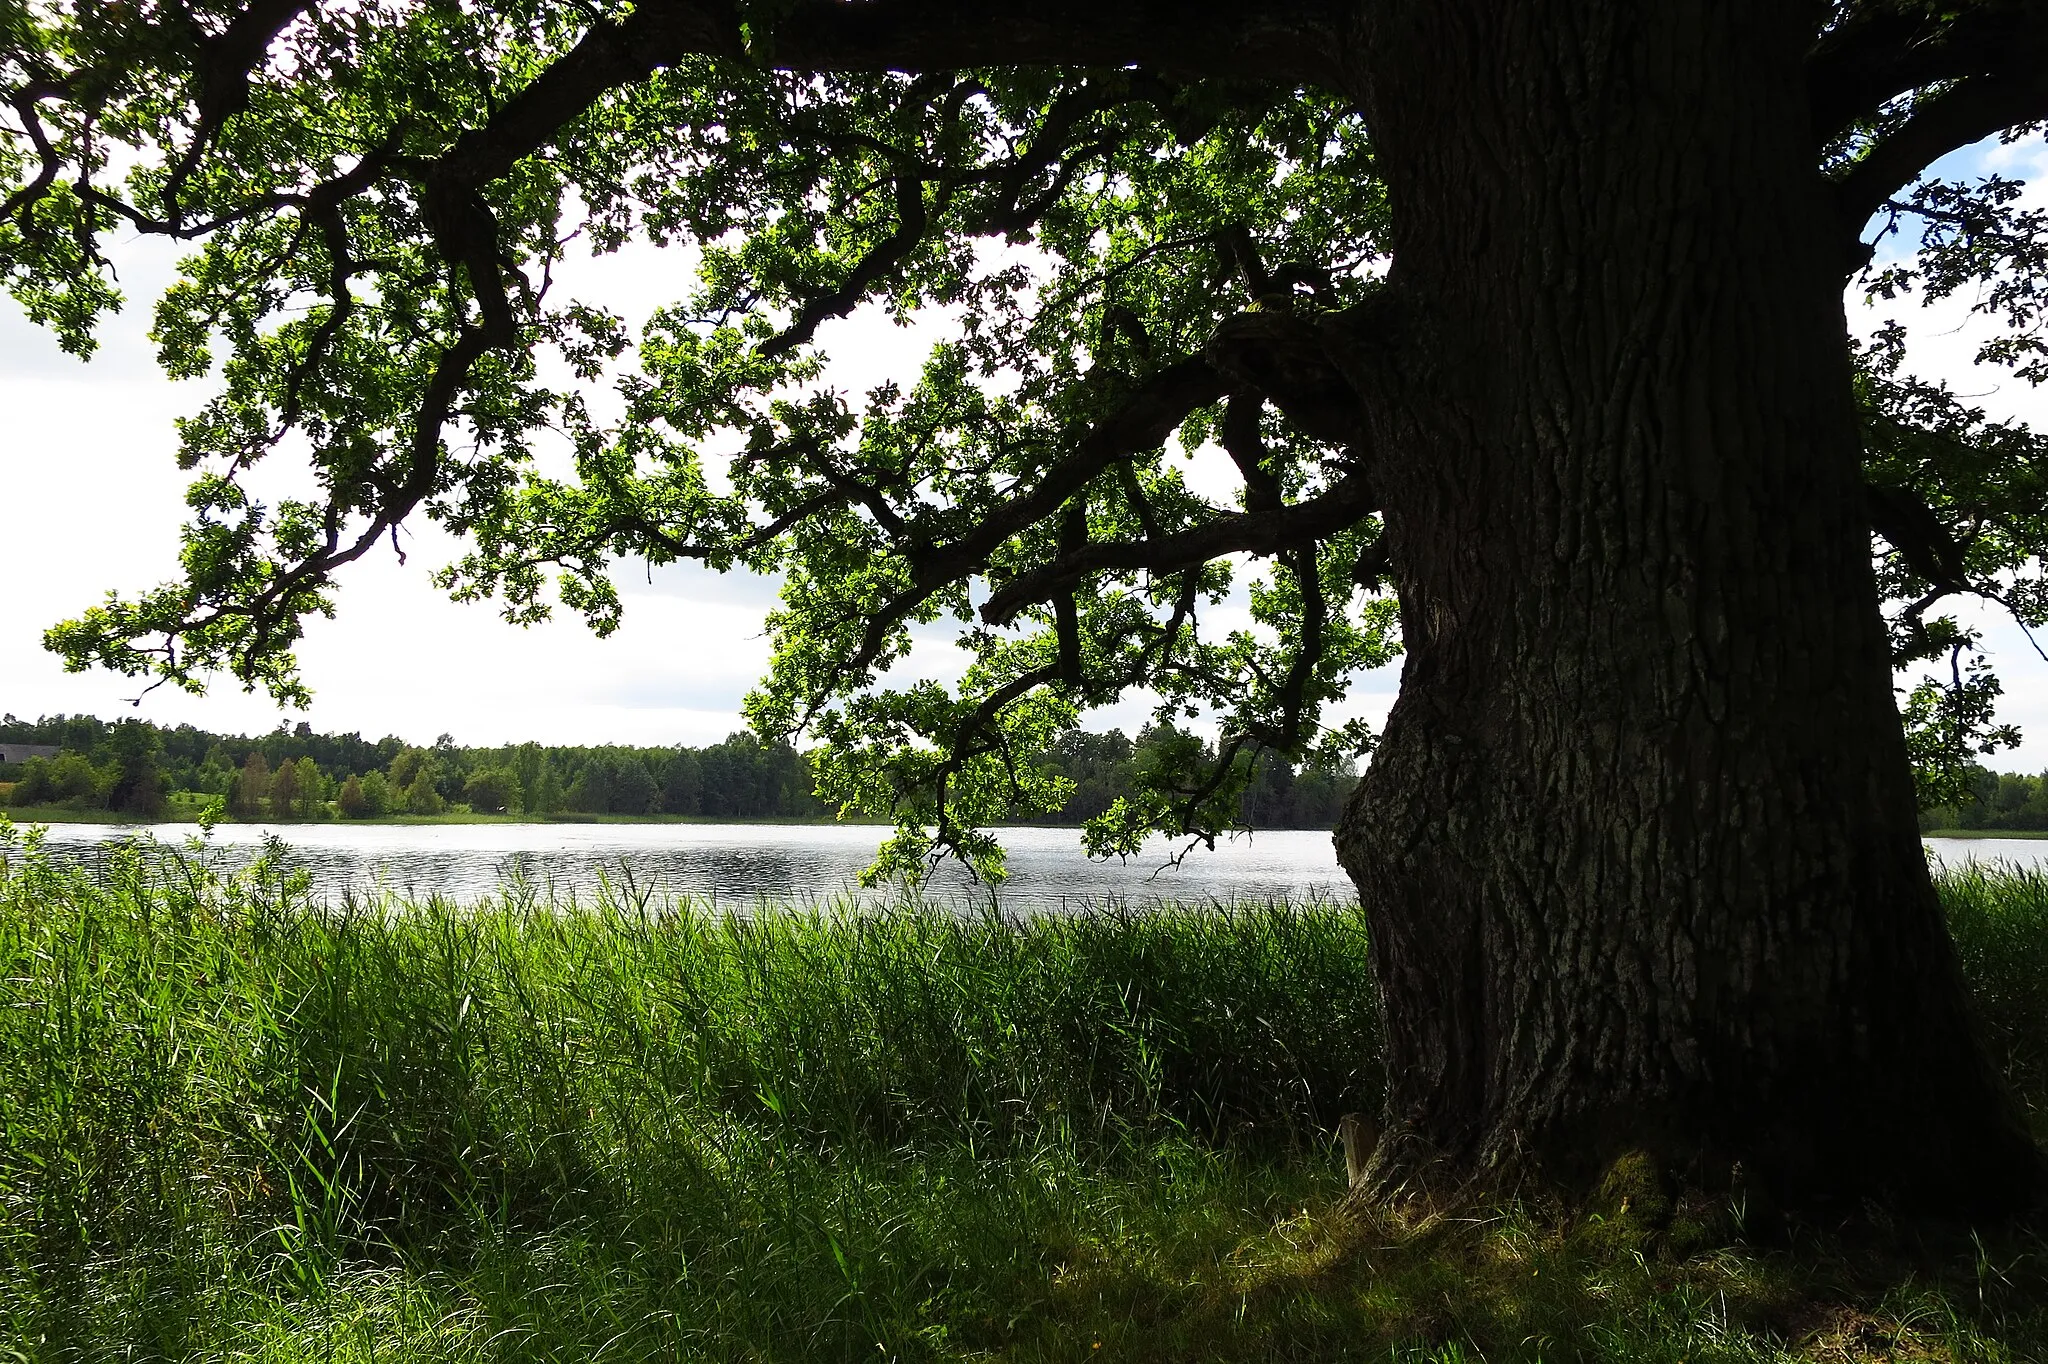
(1521, 322)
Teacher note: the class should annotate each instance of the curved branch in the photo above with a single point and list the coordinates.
(1151, 414)
(1285, 40)
(1308, 652)
(1288, 359)
(1884, 51)
(24, 102)
(1911, 528)
(878, 264)
(1246, 447)
(222, 70)
(1342, 506)
(1968, 112)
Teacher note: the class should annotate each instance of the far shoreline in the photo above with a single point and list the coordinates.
(1985, 833)
(53, 814)
(50, 814)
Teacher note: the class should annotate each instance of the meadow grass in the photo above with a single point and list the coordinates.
(238, 1124)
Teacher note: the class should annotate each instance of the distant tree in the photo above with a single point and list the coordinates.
(591, 791)
(545, 796)
(614, 782)
(1320, 789)
(33, 788)
(722, 787)
(1268, 798)
(216, 775)
(135, 749)
(377, 795)
(421, 798)
(451, 767)
(734, 785)
(492, 790)
(1099, 766)
(251, 796)
(790, 784)
(312, 798)
(527, 760)
(406, 766)
(682, 783)
(350, 799)
(2033, 814)
(142, 790)
(79, 734)
(1983, 799)
(74, 781)
(633, 787)
(284, 791)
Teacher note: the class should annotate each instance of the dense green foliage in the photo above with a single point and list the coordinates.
(133, 766)
(1127, 241)
(1991, 801)
(241, 1125)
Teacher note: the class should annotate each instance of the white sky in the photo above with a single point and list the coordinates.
(91, 500)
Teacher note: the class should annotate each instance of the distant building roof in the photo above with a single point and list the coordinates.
(21, 753)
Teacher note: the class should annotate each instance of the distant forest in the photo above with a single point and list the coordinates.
(292, 773)
(2000, 800)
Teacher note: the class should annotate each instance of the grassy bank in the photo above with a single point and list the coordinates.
(238, 1127)
(1984, 833)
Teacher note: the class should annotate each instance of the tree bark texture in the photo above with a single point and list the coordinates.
(1639, 844)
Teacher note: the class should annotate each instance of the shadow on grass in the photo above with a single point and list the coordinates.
(1240, 1264)
(1508, 1286)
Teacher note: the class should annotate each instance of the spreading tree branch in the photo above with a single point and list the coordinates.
(1966, 112)
(1887, 49)
(222, 67)
(1261, 533)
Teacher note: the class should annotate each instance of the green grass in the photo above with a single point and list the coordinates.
(235, 1125)
(179, 810)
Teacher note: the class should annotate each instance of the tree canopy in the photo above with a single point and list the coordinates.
(1131, 223)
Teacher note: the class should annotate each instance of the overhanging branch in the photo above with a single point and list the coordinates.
(1967, 112)
(1347, 502)
(1886, 50)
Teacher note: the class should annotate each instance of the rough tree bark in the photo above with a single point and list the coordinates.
(1639, 844)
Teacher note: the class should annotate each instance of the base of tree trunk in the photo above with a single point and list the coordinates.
(1646, 1199)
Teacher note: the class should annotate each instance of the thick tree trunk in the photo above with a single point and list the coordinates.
(1638, 843)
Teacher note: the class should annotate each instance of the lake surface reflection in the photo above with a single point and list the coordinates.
(2031, 853)
(740, 864)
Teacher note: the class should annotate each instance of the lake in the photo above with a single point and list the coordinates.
(741, 864)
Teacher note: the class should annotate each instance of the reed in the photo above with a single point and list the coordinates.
(238, 1123)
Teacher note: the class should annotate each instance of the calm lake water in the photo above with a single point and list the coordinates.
(741, 863)
(2024, 852)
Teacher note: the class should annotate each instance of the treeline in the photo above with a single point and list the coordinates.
(1279, 796)
(1999, 800)
(138, 768)
(135, 767)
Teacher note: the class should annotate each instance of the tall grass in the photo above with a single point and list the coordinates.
(1999, 918)
(238, 1123)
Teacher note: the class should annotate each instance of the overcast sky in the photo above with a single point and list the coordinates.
(92, 500)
